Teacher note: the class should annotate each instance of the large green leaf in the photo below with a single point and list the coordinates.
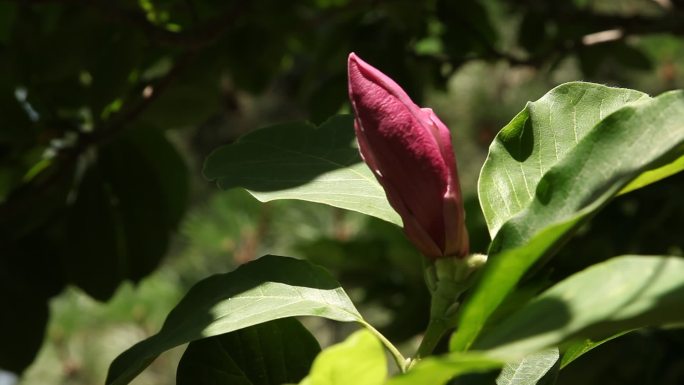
(538, 138)
(129, 201)
(271, 353)
(499, 277)
(91, 241)
(269, 288)
(22, 326)
(620, 294)
(359, 360)
(167, 167)
(300, 161)
(530, 369)
(437, 370)
(641, 136)
(30, 275)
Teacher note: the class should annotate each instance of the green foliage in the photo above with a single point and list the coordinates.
(266, 289)
(639, 357)
(530, 369)
(25, 336)
(655, 175)
(92, 190)
(299, 161)
(576, 349)
(359, 359)
(621, 294)
(598, 152)
(593, 171)
(539, 138)
(439, 370)
(384, 269)
(131, 232)
(106, 219)
(272, 353)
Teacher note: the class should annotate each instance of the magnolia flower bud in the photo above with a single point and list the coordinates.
(409, 150)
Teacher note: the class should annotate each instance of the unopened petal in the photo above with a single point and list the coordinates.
(409, 150)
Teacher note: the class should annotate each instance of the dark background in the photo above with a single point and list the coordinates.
(108, 108)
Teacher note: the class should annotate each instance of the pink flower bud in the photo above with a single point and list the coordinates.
(409, 150)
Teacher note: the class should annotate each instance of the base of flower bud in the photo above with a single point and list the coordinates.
(457, 271)
(447, 279)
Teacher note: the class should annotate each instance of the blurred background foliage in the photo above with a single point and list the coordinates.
(108, 108)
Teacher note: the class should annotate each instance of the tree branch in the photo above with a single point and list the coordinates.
(63, 164)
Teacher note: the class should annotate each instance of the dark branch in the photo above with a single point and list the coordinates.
(63, 164)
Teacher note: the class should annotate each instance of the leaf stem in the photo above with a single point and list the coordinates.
(399, 359)
(433, 334)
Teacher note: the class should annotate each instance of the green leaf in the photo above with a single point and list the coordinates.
(621, 294)
(655, 175)
(498, 279)
(22, 328)
(94, 245)
(167, 167)
(300, 161)
(538, 138)
(269, 288)
(638, 137)
(576, 349)
(530, 369)
(271, 353)
(437, 370)
(359, 360)
(128, 203)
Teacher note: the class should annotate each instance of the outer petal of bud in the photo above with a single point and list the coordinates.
(409, 150)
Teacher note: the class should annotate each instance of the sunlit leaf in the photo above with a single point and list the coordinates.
(438, 370)
(300, 161)
(529, 370)
(359, 360)
(267, 289)
(621, 294)
(537, 139)
(655, 175)
(630, 141)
